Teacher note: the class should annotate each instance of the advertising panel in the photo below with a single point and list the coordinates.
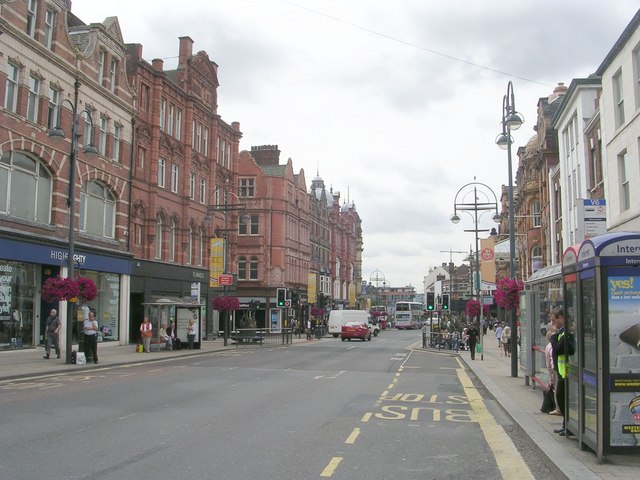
(623, 288)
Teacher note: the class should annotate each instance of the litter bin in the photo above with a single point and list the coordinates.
(383, 324)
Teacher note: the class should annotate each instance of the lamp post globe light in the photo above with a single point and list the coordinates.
(484, 200)
(89, 148)
(511, 120)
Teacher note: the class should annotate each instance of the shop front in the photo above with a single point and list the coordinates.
(151, 281)
(25, 266)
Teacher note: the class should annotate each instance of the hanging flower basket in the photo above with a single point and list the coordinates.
(88, 289)
(226, 303)
(507, 294)
(56, 289)
(317, 311)
(472, 308)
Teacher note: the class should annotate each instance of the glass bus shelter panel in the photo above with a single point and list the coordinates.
(623, 342)
(572, 391)
(588, 358)
(522, 334)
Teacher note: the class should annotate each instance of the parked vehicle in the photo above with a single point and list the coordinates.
(356, 330)
(337, 318)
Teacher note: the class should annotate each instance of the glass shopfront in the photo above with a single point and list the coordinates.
(23, 311)
(106, 306)
(17, 313)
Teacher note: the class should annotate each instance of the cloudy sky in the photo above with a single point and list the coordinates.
(396, 105)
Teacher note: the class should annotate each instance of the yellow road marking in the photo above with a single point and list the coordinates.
(366, 417)
(508, 459)
(331, 467)
(352, 438)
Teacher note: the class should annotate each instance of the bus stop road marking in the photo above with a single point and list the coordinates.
(352, 438)
(508, 459)
(330, 469)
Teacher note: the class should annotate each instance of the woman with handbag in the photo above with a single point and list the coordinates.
(146, 331)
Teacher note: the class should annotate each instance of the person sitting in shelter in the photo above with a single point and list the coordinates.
(165, 337)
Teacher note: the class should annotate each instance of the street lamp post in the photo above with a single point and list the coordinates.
(225, 208)
(511, 120)
(476, 188)
(89, 148)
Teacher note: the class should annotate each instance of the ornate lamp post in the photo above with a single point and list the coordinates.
(225, 208)
(89, 148)
(461, 203)
(511, 120)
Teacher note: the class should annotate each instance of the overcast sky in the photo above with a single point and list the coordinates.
(396, 105)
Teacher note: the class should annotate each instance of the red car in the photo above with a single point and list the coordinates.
(355, 330)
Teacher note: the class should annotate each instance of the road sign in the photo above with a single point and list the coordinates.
(287, 303)
(225, 279)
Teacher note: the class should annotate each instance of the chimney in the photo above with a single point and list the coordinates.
(186, 50)
(266, 155)
(158, 64)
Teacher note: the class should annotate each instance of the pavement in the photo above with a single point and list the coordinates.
(521, 402)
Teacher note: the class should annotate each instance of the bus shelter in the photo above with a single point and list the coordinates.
(177, 310)
(542, 292)
(602, 308)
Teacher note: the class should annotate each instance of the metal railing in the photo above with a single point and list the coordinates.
(261, 336)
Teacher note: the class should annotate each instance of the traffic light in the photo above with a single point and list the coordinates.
(430, 301)
(445, 301)
(281, 297)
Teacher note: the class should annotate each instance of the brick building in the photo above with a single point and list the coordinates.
(185, 167)
(274, 249)
(54, 70)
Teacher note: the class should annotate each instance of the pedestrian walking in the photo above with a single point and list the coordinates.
(90, 327)
(472, 334)
(506, 340)
(146, 331)
(499, 331)
(563, 344)
(52, 333)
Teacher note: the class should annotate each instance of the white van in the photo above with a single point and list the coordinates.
(337, 318)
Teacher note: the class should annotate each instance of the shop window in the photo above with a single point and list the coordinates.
(106, 306)
(25, 187)
(97, 210)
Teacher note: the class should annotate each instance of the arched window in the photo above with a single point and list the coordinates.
(97, 210)
(159, 237)
(25, 187)
(172, 241)
(536, 258)
(242, 268)
(253, 268)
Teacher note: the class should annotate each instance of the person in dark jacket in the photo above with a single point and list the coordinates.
(472, 335)
(563, 345)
